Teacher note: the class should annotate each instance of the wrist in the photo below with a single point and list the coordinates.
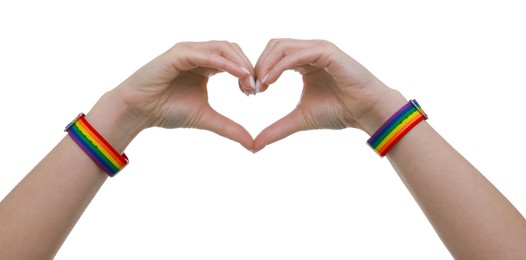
(381, 109)
(114, 121)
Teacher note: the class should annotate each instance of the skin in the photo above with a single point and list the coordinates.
(473, 219)
(170, 91)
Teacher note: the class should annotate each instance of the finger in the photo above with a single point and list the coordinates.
(206, 72)
(218, 55)
(213, 121)
(232, 51)
(276, 50)
(265, 62)
(323, 55)
(242, 54)
(301, 60)
(219, 64)
(289, 124)
(251, 87)
(243, 89)
(229, 50)
(193, 59)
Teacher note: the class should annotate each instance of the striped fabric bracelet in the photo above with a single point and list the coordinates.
(396, 127)
(97, 148)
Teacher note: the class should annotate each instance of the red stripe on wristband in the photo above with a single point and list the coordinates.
(97, 148)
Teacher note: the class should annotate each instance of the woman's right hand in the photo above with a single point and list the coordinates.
(171, 90)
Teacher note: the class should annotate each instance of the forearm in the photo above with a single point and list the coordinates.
(170, 91)
(38, 214)
(473, 219)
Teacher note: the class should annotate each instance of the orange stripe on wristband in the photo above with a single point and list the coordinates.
(396, 127)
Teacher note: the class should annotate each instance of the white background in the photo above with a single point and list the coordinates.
(189, 194)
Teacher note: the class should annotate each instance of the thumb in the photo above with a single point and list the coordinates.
(289, 124)
(224, 126)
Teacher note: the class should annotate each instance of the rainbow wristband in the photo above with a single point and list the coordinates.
(97, 148)
(396, 127)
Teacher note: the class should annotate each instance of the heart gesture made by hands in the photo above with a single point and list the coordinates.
(171, 90)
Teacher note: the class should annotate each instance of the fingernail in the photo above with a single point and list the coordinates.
(251, 80)
(245, 70)
(246, 92)
(253, 85)
(264, 80)
(259, 82)
(258, 85)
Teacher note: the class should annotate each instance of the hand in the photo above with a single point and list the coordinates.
(338, 92)
(171, 90)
